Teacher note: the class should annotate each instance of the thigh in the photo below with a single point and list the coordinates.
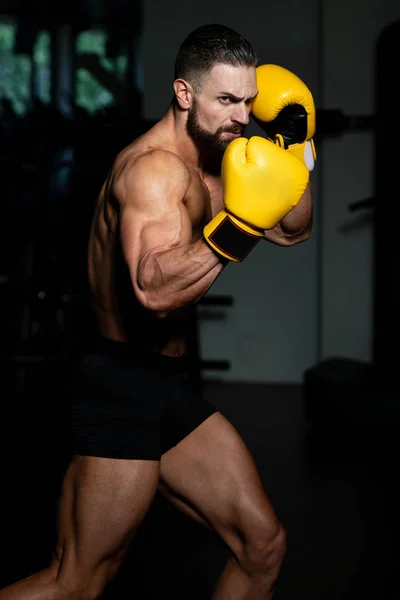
(212, 476)
(103, 501)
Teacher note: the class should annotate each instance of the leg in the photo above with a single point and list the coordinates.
(103, 501)
(211, 475)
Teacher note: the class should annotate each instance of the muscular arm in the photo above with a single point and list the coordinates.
(296, 226)
(168, 270)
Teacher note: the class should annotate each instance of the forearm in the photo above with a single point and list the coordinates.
(299, 219)
(177, 277)
(296, 226)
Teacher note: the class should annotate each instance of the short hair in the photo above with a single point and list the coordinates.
(207, 46)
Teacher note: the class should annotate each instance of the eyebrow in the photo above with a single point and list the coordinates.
(236, 98)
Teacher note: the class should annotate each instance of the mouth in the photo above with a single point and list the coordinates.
(234, 134)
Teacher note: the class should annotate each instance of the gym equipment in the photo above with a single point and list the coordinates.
(198, 365)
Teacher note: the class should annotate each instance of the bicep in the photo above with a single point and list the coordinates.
(153, 216)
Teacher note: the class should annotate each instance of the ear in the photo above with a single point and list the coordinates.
(183, 93)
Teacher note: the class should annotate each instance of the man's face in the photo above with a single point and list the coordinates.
(220, 111)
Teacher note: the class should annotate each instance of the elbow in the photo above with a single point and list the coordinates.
(298, 239)
(305, 235)
(148, 294)
(156, 304)
(300, 236)
(150, 291)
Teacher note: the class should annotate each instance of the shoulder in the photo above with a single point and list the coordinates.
(150, 171)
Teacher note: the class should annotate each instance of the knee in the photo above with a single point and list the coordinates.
(264, 548)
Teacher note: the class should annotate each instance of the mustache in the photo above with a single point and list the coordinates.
(239, 130)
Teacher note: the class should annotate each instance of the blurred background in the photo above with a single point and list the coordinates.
(297, 346)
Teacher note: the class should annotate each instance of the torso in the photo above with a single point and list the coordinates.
(119, 315)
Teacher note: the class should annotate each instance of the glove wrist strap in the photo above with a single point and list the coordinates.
(230, 237)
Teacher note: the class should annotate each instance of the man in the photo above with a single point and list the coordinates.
(153, 252)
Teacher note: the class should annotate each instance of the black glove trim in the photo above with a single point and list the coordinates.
(232, 240)
(291, 123)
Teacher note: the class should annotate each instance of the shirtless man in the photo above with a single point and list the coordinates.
(137, 425)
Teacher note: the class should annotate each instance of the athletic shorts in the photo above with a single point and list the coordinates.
(130, 405)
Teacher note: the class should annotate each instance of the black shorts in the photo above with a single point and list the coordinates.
(130, 405)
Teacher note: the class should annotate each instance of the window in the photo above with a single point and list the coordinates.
(97, 75)
(22, 74)
(42, 63)
(15, 72)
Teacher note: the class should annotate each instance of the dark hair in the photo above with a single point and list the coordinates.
(207, 46)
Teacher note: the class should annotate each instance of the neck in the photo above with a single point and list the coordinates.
(187, 147)
(174, 121)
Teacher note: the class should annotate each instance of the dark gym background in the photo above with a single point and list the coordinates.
(326, 448)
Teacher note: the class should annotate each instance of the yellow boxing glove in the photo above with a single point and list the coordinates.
(262, 183)
(284, 108)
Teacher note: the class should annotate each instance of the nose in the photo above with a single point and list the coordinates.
(241, 113)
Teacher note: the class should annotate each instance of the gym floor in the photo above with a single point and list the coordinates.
(335, 494)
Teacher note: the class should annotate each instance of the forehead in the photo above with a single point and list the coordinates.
(239, 81)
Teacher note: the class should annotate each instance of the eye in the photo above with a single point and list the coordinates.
(225, 99)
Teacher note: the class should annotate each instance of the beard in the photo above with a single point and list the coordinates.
(211, 145)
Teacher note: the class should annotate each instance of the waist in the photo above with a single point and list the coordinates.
(143, 330)
(128, 351)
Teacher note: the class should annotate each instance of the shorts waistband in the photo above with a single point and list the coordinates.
(128, 351)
